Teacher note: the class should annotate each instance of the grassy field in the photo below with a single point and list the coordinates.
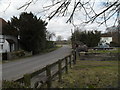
(90, 74)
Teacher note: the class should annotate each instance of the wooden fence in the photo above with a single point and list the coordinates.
(62, 66)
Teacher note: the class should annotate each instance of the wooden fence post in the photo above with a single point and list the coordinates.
(48, 74)
(74, 57)
(66, 64)
(70, 60)
(27, 80)
(60, 70)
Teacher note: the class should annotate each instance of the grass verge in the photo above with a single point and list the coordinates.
(50, 49)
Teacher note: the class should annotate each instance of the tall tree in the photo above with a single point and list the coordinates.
(59, 38)
(50, 35)
(32, 32)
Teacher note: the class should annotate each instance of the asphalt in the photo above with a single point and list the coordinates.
(16, 69)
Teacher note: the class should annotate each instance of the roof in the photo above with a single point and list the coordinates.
(6, 29)
(3, 21)
(10, 41)
(106, 35)
(2, 24)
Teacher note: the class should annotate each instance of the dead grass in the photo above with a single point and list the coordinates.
(90, 74)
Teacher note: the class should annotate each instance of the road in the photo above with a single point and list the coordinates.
(16, 69)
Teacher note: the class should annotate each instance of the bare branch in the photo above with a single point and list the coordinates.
(52, 5)
(88, 7)
(26, 5)
(57, 11)
(71, 16)
(105, 19)
(94, 17)
(7, 7)
(108, 18)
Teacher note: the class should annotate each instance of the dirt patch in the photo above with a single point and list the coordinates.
(99, 56)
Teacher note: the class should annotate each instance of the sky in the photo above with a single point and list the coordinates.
(58, 25)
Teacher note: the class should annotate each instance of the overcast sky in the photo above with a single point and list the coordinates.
(58, 25)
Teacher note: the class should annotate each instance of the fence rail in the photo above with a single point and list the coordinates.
(62, 66)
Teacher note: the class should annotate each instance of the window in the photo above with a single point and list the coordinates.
(1, 46)
(2, 40)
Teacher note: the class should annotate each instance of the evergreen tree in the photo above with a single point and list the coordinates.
(32, 32)
(90, 38)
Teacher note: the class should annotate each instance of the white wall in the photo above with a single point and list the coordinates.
(6, 45)
(107, 39)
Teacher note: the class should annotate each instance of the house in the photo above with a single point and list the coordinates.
(106, 38)
(114, 31)
(8, 41)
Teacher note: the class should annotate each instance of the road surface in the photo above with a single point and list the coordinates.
(16, 69)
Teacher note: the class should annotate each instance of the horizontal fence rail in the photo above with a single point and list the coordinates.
(58, 67)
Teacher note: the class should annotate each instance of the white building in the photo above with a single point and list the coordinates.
(106, 39)
(8, 43)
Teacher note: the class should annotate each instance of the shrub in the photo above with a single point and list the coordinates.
(50, 44)
(19, 53)
(114, 44)
(11, 84)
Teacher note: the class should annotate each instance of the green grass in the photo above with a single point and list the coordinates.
(117, 50)
(50, 49)
(90, 74)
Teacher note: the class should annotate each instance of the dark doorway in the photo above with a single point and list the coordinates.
(4, 56)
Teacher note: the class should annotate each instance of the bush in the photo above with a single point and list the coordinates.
(114, 44)
(50, 44)
(19, 53)
(11, 84)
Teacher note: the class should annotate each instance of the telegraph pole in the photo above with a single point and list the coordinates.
(71, 38)
(119, 26)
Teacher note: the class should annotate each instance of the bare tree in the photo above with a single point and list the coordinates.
(59, 38)
(63, 8)
(50, 35)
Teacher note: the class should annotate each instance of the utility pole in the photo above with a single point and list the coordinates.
(71, 38)
(75, 42)
(119, 18)
(118, 26)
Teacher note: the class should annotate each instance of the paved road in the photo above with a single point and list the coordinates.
(14, 70)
